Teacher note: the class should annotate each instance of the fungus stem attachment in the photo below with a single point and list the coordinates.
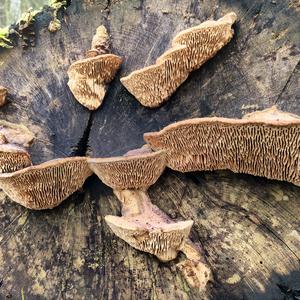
(142, 224)
(134, 202)
(151, 227)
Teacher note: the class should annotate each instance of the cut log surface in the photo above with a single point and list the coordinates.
(248, 227)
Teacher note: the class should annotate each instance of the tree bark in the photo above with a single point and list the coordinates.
(247, 226)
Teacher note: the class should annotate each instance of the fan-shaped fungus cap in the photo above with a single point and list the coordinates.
(16, 133)
(129, 172)
(13, 158)
(46, 185)
(143, 225)
(205, 40)
(3, 94)
(163, 240)
(191, 48)
(262, 144)
(88, 78)
(13, 139)
(154, 84)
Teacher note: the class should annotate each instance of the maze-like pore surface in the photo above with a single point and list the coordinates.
(131, 172)
(191, 48)
(46, 185)
(13, 161)
(163, 240)
(243, 146)
(88, 78)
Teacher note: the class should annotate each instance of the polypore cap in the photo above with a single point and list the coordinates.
(46, 185)
(191, 48)
(162, 240)
(88, 78)
(13, 158)
(129, 172)
(272, 114)
(264, 143)
(16, 133)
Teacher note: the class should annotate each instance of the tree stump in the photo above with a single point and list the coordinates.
(247, 226)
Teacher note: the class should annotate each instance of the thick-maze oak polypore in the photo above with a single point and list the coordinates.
(13, 158)
(264, 143)
(14, 139)
(190, 49)
(129, 172)
(46, 185)
(143, 225)
(89, 77)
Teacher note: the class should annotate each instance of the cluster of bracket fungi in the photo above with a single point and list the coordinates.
(152, 85)
(264, 143)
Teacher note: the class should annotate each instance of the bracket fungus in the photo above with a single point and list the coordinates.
(88, 78)
(16, 134)
(264, 143)
(143, 225)
(46, 185)
(191, 48)
(3, 94)
(13, 140)
(13, 158)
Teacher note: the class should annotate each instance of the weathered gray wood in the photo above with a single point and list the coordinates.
(248, 226)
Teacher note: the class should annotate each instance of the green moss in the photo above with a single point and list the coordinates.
(5, 42)
(57, 4)
(28, 19)
(22, 294)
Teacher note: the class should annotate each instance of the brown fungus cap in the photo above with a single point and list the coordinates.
(13, 158)
(264, 144)
(142, 225)
(272, 115)
(46, 185)
(191, 48)
(13, 140)
(3, 94)
(17, 134)
(88, 78)
(154, 84)
(145, 227)
(205, 40)
(164, 240)
(129, 172)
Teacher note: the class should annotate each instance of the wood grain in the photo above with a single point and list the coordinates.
(248, 226)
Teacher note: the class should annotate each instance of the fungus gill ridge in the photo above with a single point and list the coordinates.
(14, 139)
(264, 143)
(191, 48)
(88, 78)
(46, 185)
(143, 225)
